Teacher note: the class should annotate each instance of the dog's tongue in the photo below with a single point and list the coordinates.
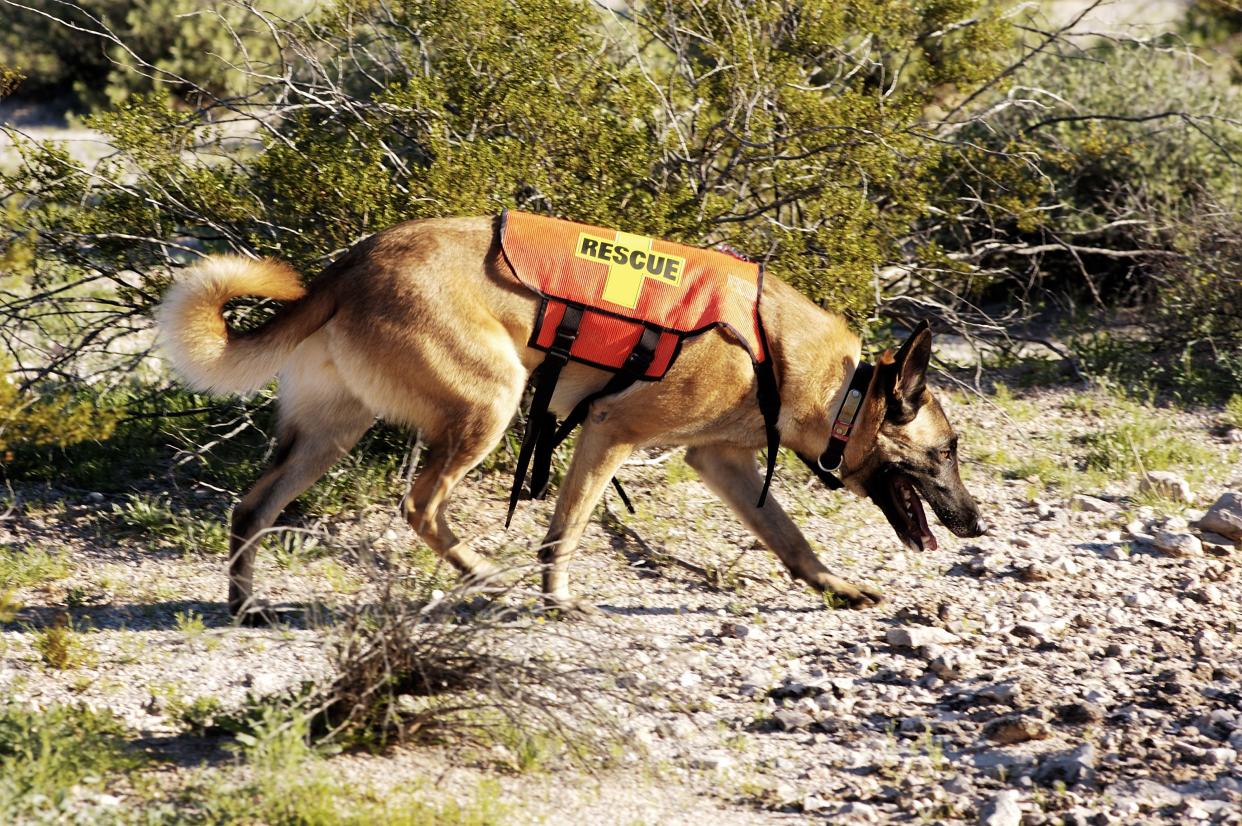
(925, 533)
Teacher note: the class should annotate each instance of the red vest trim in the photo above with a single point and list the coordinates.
(626, 282)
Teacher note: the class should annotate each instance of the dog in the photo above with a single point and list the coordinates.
(424, 325)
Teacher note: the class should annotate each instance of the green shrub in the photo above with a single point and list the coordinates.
(1115, 188)
(187, 48)
(45, 754)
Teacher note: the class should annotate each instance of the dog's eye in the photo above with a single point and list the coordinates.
(946, 454)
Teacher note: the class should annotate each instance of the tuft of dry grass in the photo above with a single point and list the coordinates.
(491, 670)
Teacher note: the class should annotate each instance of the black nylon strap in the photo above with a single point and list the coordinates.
(545, 385)
(634, 368)
(770, 407)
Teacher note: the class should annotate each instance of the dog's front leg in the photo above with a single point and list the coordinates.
(597, 456)
(732, 475)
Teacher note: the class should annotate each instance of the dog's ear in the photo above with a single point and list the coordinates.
(909, 377)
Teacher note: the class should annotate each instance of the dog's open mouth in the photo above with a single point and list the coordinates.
(897, 497)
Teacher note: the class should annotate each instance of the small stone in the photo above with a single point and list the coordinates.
(1168, 485)
(1035, 572)
(390, 535)
(1234, 435)
(1225, 516)
(791, 720)
(1007, 693)
(95, 497)
(1081, 713)
(1220, 757)
(1090, 504)
(858, 813)
(689, 679)
(1071, 768)
(1216, 544)
(1001, 810)
(917, 636)
(1176, 543)
(713, 762)
(1175, 523)
(1015, 729)
(1207, 642)
(1117, 553)
(737, 630)
(1040, 602)
(984, 564)
(949, 666)
(814, 803)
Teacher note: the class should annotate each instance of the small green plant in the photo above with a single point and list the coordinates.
(1233, 410)
(44, 754)
(61, 646)
(201, 715)
(190, 623)
(9, 606)
(149, 516)
(30, 566)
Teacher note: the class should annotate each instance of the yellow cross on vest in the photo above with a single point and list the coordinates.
(630, 260)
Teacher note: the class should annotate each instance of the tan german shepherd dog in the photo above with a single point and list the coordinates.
(424, 324)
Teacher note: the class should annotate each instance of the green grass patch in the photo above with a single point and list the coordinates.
(30, 566)
(291, 783)
(1125, 439)
(1233, 411)
(45, 754)
(154, 517)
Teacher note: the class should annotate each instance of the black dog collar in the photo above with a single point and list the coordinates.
(842, 428)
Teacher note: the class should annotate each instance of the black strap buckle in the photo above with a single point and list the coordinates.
(843, 423)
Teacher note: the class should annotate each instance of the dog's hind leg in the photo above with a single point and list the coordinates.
(315, 430)
(450, 456)
(732, 475)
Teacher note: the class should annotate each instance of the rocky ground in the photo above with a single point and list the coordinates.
(1079, 664)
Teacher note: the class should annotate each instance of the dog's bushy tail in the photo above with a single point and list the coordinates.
(198, 341)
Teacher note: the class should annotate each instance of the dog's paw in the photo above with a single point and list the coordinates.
(572, 608)
(838, 593)
(257, 617)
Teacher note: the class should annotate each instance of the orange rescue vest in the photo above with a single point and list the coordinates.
(625, 303)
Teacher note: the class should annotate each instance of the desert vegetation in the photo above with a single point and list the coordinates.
(1058, 197)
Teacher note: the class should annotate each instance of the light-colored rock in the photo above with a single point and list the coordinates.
(1217, 545)
(1177, 543)
(1167, 484)
(1090, 504)
(1001, 810)
(916, 636)
(1225, 516)
(1070, 768)
(1221, 756)
(857, 813)
(789, 719)
(1006, 693)
(1016, 729)
(713, 761)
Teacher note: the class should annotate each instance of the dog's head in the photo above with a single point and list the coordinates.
(904, 450)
